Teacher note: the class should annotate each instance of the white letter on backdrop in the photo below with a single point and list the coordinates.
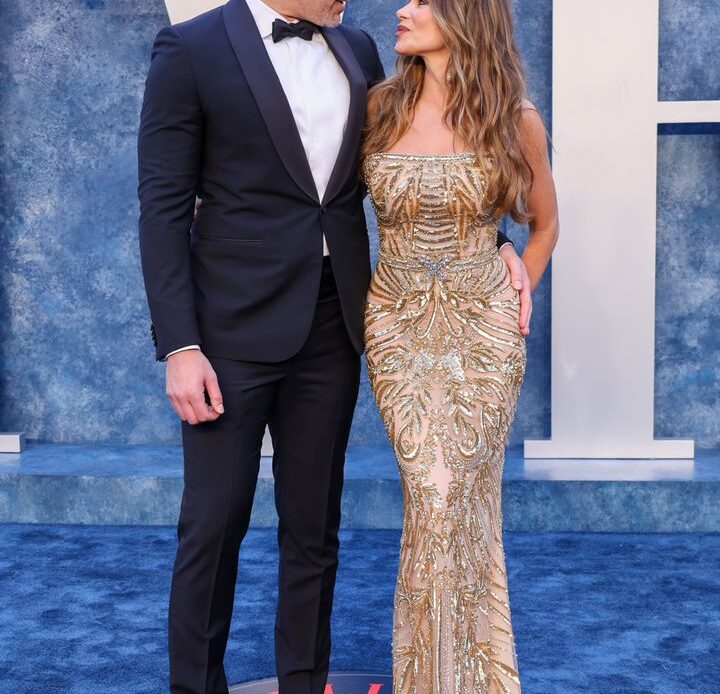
(605, 117)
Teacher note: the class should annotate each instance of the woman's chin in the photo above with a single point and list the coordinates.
(402, 49)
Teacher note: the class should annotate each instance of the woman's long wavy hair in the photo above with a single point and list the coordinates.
(486, 88)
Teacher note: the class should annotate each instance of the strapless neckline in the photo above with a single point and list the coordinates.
(411, 157)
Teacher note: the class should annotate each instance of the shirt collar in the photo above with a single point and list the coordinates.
(264, 16)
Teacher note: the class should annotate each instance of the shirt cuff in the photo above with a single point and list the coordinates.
(182, 349)
(507, 243)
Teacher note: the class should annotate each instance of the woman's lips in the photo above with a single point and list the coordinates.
(401, 30)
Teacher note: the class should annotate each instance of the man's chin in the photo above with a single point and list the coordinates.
(331, 17)
(331, 20)
(334, 17)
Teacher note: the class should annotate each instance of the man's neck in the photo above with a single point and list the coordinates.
(281, 8)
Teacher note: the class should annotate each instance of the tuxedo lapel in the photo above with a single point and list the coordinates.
(268, 93)
(347, 156)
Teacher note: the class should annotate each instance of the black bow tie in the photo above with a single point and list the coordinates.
(303, 29)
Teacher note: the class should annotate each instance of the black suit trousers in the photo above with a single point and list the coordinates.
(307, 401)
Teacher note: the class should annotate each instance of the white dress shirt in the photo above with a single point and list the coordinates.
(316, 89)
(318, 92)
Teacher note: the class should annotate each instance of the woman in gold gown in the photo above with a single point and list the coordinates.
(452, 146)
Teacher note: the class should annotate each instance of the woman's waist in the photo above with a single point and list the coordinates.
(438, 263)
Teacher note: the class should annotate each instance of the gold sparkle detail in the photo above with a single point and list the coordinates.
(446, 360)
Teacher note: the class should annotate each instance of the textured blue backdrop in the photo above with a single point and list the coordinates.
(76, 356)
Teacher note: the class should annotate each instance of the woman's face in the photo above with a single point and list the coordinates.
(418, 33)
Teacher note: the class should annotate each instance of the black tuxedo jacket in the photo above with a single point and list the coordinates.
(242, 280)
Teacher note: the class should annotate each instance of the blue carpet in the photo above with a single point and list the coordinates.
(83, 608)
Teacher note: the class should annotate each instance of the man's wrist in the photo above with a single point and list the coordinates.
(181, 349)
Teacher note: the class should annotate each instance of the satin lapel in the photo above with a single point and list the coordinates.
(268, 93)
(347, 156)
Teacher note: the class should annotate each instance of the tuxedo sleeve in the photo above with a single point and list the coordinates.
(502, 240)
(169, 153)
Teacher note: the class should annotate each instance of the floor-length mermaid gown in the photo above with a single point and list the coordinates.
(445, 359)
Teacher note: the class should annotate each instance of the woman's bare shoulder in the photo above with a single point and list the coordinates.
(529, 115)
(531, 126)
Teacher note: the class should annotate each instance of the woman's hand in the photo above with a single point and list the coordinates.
(521, 281)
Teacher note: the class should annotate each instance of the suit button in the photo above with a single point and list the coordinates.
(323, 209)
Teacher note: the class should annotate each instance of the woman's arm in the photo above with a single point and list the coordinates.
(541, 202)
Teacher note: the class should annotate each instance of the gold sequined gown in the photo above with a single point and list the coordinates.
(445, 360)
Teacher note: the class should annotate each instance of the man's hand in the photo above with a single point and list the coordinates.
(521, 282)
(187, 377)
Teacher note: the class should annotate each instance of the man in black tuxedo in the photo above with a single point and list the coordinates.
(257, 305)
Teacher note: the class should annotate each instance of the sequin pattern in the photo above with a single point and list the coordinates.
(446, 360)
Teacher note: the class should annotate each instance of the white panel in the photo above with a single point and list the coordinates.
(688, 112)
(267, 447)
(12, 442)
(180, 10)
(605, 115)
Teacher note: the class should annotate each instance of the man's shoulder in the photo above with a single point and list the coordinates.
(365, 50)
(201, 26)
(358, 39)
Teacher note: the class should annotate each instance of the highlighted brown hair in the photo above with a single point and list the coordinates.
(486, 88)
